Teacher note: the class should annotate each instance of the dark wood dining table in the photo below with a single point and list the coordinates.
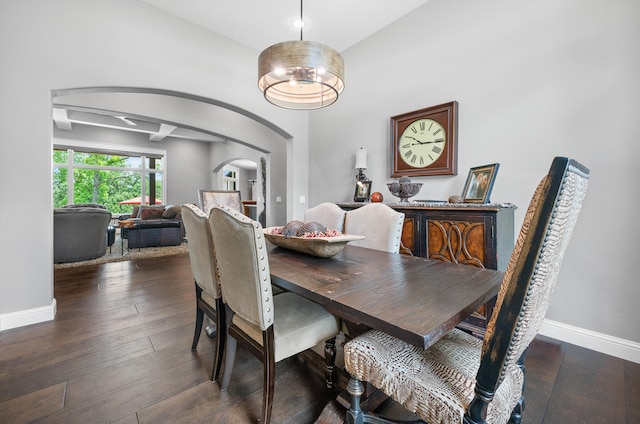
(414, 299)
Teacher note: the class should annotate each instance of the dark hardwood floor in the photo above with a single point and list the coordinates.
(119, 351)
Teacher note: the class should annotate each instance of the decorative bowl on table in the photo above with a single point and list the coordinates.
(404, 189)
(322, 247)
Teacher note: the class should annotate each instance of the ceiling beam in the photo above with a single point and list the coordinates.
(164, 130)
(61, 119)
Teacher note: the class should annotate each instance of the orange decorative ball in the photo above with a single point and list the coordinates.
(376, 197)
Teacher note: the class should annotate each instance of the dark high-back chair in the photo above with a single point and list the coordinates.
(464, 379)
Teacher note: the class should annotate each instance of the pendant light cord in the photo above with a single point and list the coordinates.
(301, 21)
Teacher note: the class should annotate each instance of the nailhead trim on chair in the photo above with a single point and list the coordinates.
(399, 234)
(196, 210)
(265, 275)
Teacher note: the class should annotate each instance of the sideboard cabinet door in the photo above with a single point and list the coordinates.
(462, 240)
(467, 239)
(411, 234)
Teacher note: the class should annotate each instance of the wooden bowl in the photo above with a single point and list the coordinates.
(322, 247)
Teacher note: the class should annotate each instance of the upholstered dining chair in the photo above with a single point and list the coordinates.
(210, 198)
(270, 327)
(328, 214)
(464, 379)
(380, 224)
(208, 294)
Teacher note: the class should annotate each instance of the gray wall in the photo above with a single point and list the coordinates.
(244, 175)
(222, 153)
(48, 46)
(533, 80)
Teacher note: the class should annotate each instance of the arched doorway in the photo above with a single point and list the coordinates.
(232, 132)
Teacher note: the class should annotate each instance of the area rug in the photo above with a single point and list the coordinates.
(115, 255)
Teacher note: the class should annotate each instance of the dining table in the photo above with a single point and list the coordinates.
(412, 298)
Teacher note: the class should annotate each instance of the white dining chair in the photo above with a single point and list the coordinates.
(208, 293)
(271, 327)
(328, 214)
(379, 223)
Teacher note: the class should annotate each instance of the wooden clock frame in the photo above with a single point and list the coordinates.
(447, 164)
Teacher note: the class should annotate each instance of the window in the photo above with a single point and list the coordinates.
(117, 180)
(230, 178)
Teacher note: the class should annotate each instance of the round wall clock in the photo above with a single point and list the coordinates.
(425, 142)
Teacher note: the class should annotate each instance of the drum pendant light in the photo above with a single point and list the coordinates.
(301, 74)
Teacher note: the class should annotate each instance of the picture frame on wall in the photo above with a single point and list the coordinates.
(479, 183)
(363, 191)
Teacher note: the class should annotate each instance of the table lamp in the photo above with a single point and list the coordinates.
(361, 163)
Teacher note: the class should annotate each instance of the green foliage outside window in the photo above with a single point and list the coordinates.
(103, 182)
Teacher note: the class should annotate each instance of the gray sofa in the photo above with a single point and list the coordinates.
(80, 232)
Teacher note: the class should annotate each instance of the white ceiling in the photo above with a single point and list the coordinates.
(261, 23)
(257, 24)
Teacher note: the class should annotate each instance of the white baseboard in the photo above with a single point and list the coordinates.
(28, 316)
(588, 339)
(599, 342)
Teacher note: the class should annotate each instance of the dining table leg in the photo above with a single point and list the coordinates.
(354, 414)
(330, 362)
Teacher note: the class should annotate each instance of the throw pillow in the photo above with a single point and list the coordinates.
(151, 212)
(171, 211)
(135, 213)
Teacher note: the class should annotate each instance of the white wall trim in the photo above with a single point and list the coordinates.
(599, 342)
(139, 150)
(28, 316)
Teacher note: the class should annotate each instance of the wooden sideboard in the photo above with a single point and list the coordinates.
(479, 235)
